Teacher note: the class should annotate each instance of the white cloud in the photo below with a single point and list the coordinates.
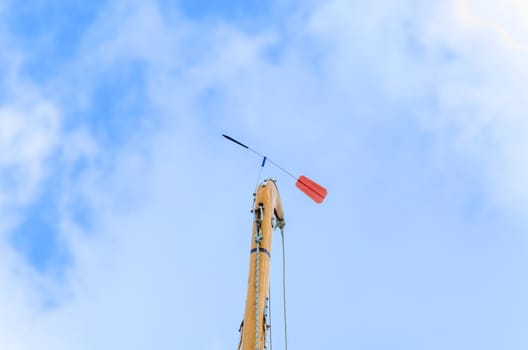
(28, 136)
(30, 132)
(462, 61)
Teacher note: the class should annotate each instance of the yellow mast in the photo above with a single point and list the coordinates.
(268, 215)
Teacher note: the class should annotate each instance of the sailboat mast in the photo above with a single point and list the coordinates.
(268, 215)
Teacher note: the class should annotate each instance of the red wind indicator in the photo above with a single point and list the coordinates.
(312, 189)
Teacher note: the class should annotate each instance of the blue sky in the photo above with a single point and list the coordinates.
(125, 216)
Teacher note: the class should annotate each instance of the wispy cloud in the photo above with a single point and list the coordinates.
(455, 70)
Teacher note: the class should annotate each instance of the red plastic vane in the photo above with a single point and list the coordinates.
(311, 189)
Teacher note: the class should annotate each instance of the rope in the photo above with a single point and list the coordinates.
(284, 290)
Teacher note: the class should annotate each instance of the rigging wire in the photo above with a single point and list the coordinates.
(284, 290)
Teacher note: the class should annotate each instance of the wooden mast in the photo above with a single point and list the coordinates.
(267, 209)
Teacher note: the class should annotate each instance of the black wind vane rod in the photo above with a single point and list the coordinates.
(309, 187)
